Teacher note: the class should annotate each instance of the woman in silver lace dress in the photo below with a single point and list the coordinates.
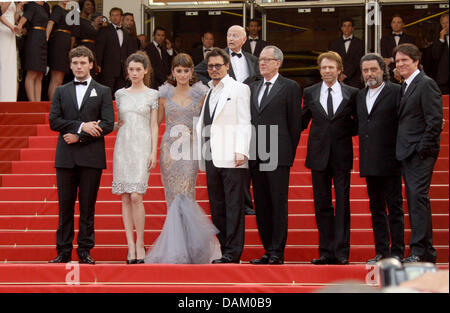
(135, 151)
(188, 236)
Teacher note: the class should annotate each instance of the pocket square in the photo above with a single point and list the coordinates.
(93, 93)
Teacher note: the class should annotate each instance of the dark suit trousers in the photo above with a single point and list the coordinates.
(85, 181)
(387, 190)
(417, 175)
(334, 227)
(114, 83)
(270, 189)
(226, 200)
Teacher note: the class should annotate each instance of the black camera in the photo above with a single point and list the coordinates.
(393, 273)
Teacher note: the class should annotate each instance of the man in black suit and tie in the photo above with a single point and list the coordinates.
(160, 53)
(330, 106)
(418, 145)
(389, 42)
(82, 112)
(351, 50)
(440, 53)
(199, 53)
(244, 68)
(377, 129)
(254, 45)
(112, 48)
(275, 103)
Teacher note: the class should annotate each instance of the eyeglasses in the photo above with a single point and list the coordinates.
(216, 66)
(266, 60)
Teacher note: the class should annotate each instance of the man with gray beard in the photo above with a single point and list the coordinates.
(377, 129)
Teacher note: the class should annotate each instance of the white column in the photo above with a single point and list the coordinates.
(132, 6)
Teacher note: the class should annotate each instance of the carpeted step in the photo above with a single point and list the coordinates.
(20, 107)
(14, 142)
(154, 221)
(296, 206)
(23, 118)
(18, 130)
(293, 253)
(112, 237)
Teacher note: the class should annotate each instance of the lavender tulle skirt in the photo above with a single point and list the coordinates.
(187, 237)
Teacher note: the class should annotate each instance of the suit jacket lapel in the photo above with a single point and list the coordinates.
(316, 99)
(73, 95)
(410, 89)
(87, 94)
(277, 86)
(257, 89)
(222, 100)
(386, 90)
(346, 97)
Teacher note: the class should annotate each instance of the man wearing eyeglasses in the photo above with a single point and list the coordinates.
(223, 134)
(276, 117)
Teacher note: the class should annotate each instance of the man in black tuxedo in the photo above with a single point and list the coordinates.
(330, 106)
(275, 103)
(377, 129)
(440, 53)
(418, 145)
(389, 42)
(160, 53)
(244, 68)
(351, 50)
(198, 54)
(112, 48)
(254, 45)
(82, 112)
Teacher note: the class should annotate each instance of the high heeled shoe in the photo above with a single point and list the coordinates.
(141, 261)
(133, 261)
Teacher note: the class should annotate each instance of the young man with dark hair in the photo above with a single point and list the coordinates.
(160, 53)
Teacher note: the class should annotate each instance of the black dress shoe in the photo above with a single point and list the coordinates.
(412, 259)
(377, 258)
(323, 260)
(133, 261)
(342, 261)
(225, 259)
(61, 259)
(264, 260)
(86, 259)
(276, 260)
(250, 211)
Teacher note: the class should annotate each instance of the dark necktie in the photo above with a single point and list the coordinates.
(236, 54)
(330, 104)
(80, 83)
(266, 92)
(404, 88)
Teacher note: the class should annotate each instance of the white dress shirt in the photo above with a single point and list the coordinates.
(119, 34)
(397, 38)
(80, 91)
(240, 66)
(409, 80)
(347, 43)
(372, 96)
(216, 91)
(336, 94)
(253, 43)
(263, 88)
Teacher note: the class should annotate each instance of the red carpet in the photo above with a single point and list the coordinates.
(29, 217)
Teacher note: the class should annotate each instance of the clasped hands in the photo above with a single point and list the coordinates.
(92, 128)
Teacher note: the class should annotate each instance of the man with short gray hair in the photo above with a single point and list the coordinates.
(276, 117)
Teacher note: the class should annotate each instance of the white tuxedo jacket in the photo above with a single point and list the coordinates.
(231, 126)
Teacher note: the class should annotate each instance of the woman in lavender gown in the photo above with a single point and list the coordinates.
(188, 236)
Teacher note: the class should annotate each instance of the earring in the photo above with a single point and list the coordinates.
(191, 81)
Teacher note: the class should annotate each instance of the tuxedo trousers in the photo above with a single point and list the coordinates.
(417, 174)
(270, 189)
(226, 199)
(333, 223)
(388, 229)
(83, 182)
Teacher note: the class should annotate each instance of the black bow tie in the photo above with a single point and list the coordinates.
(80, 83)
(253, 39)
(207, 50)
(348, 39)
(397, 35)
(119, 28)
(236, 54)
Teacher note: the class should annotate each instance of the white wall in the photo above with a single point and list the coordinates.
(133, 6)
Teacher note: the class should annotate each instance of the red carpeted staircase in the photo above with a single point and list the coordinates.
(29, 217)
